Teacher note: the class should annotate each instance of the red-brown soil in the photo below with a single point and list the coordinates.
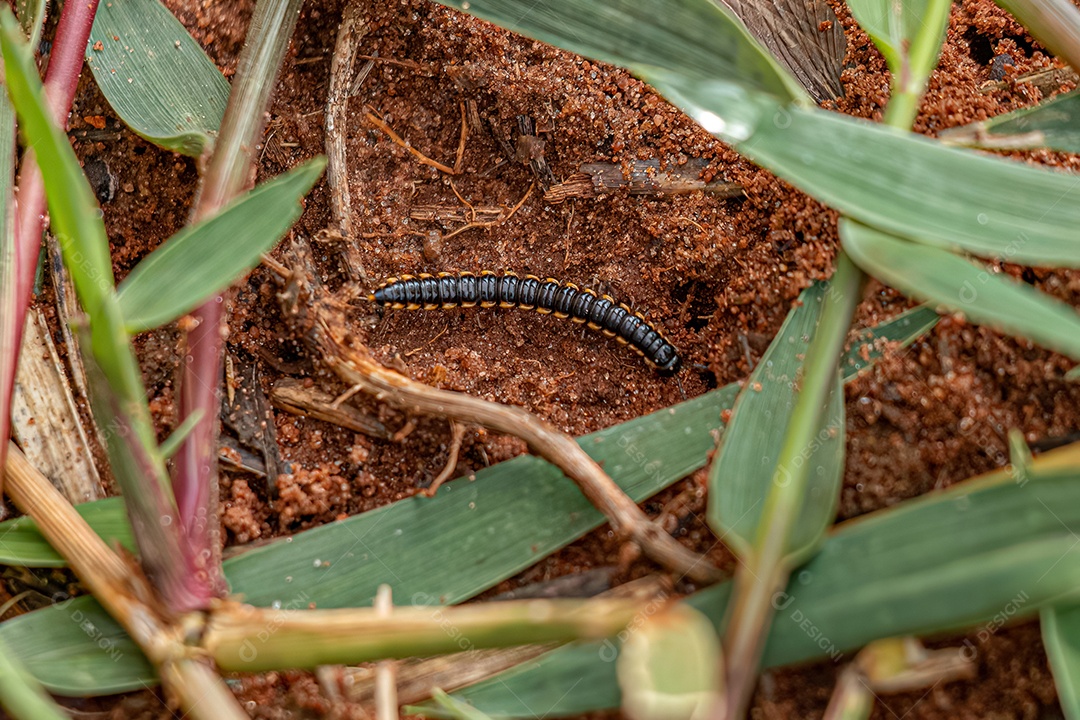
(716, 275)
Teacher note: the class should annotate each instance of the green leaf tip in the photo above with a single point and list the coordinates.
(203, 259)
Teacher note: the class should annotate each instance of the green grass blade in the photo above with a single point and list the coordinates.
(22, 544)
(1061, 636)
(742, 475)
(429, 549)
(77, 223)
(697, 37)
(869, 343)
(894, 27)
(155, 76)
(945, 561)
(117, 393)
(108, 515)
(202, 259)
(909, 35)
(918, 188)
(21, 694)
(993, 299)
(1053, 124)
(76, 648)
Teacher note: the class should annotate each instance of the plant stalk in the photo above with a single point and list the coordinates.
(61, 80)
(243, 638)
(230, 171)
(917, 62)
(764, 572)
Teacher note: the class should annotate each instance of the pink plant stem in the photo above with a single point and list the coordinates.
(195, 469)
(61, 81)
(230, 171)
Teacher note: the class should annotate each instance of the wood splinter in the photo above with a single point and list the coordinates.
(646, 177)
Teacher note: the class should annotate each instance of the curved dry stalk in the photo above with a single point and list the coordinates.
(320, 320)
(122, 591)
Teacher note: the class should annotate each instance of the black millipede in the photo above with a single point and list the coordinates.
(488, 289)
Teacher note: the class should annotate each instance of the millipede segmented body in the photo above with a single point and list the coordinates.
(487, 289)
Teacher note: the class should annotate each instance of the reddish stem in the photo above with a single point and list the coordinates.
(195, 464)
(61, 81)
(194, 473)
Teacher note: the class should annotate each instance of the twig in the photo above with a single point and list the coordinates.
(640, 177)
(461, 141)
(351, 31)
(321, 323)
(488, 223)
(386, 703)
(292, 397)
(424, 159)
(458, 431)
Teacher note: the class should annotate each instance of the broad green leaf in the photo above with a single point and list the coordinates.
(22, 544)
(1061, 636)
(869, 343)
(155, 76)
(202, 259)
(929, 273)
(670, 666)
(1053, 124)
(698, 37)
(917, 187)
(20, 693)
(981, 552)
(743, 474)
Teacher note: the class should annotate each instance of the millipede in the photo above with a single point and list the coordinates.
(547, 296)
